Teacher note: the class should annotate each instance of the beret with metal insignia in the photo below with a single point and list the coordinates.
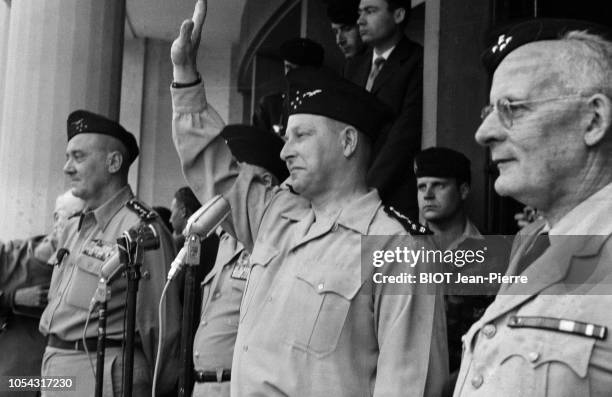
(255, 146)
(344, 12)
(504, 40)
(302, 52)
(323, 93)
(85, 122)
(441, 162)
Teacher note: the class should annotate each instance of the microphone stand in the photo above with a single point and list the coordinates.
(191, 261)
(102, 294)
(133, 276)
(132, 246)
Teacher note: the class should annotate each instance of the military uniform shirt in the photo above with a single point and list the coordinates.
(559, 357)
(306, 328)
(213, 345)
(91, 241)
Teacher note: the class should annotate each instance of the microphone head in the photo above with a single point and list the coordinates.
(206, 219)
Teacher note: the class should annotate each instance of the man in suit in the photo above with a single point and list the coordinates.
(392, 69)
(549, 130)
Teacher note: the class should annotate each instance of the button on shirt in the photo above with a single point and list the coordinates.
(216, 335)
(317, 335)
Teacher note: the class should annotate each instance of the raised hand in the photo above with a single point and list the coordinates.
(184, 50)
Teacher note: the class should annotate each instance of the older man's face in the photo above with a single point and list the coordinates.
(312, 153)
(86, 166)
(538, 155)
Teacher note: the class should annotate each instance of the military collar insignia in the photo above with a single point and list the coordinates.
(413, 228)
(145, 213)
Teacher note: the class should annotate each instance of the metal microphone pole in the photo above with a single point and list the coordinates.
(191, 261)
(135, 243)
(101, 296)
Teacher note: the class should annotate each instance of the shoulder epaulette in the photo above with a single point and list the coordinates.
(145, 213)
(413, 228)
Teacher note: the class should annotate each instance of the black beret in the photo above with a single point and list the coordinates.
(320, 92)
(84, 122)
(442, 162)
(344, 12)
(255, 146)
(506, 39)
(302, 52)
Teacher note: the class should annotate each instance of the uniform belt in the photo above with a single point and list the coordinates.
(91, 343)
(212, 376)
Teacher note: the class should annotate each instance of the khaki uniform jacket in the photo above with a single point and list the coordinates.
(570, 281)
(307, 327)
(92, 239)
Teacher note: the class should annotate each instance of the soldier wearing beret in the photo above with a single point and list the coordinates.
(98, 157)
(213, 346)
(343, 16)
(308, 324)
(549, 131)
(443, 186)
(271, 112)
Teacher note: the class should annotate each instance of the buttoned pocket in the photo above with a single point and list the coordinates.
(549, 363)
(261, 257)
(322, 297)
(84, 281)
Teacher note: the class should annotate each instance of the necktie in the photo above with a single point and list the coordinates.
(541, 243)
(378, 63)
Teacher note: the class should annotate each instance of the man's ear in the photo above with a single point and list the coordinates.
(399, 15)
(114, 161)
(600, 111)
(464, 190)
(349, 138)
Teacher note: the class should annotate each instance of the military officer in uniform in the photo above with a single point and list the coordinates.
(98, 157)
(549, 130)
(24, 280)
(443, 187)
(308, 324)
(213, 346)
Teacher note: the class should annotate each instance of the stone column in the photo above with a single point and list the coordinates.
(5, 12)
(62, 55)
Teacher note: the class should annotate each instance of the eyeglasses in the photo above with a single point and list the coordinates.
(507, 109)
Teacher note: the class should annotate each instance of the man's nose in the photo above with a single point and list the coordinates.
(490, 130)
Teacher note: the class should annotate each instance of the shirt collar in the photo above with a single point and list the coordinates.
(385, 54)
(470, 231)
(104, 213)
(357, 215)
(588, 217)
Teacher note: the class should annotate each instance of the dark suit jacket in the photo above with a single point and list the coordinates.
(399, 84)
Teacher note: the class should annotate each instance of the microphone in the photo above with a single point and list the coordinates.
(59, 257)
(203, 222)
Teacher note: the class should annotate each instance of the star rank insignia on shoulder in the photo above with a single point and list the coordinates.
(145, 213)
(411, 227)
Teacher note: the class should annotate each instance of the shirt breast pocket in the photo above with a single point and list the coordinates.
(261, 257)
(84, 281)
(323, 298)
(549, 363)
